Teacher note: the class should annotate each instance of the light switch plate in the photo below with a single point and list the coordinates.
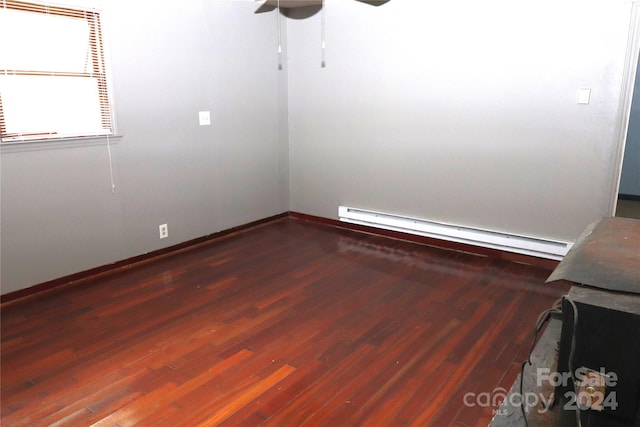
(205, 118)
(584, 96)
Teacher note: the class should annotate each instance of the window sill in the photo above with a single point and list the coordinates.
(63, 142)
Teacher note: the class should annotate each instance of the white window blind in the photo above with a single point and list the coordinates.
(53, 77)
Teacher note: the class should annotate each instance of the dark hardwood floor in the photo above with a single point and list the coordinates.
(287, 324)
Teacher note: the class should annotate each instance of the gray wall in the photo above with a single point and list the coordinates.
(464, 112)
(58, 214)
(630, 179)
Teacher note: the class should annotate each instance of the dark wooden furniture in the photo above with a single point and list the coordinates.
(601, 324)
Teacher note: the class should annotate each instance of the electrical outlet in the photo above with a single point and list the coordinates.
(164, 231)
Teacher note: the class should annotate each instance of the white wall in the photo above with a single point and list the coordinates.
(463, 112)
(58, 214)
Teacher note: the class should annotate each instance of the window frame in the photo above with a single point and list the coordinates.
(99, 71)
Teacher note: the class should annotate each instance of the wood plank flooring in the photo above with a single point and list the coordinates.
(287, 324)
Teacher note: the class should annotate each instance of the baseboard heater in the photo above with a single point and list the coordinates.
(533, 246)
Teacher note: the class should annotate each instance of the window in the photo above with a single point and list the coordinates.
(53, 80)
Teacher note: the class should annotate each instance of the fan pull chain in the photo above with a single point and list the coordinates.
(323, 34)
(279, 38)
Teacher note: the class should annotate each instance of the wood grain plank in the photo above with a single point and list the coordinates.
(289, 323)
(235, 404)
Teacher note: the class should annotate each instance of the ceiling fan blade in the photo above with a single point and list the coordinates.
(265, 8)
(270, 5)
(374, 2)
(289, 4)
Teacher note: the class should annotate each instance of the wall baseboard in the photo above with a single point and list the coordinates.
(82, 276)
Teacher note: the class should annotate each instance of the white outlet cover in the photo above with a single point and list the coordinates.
(205, 118)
